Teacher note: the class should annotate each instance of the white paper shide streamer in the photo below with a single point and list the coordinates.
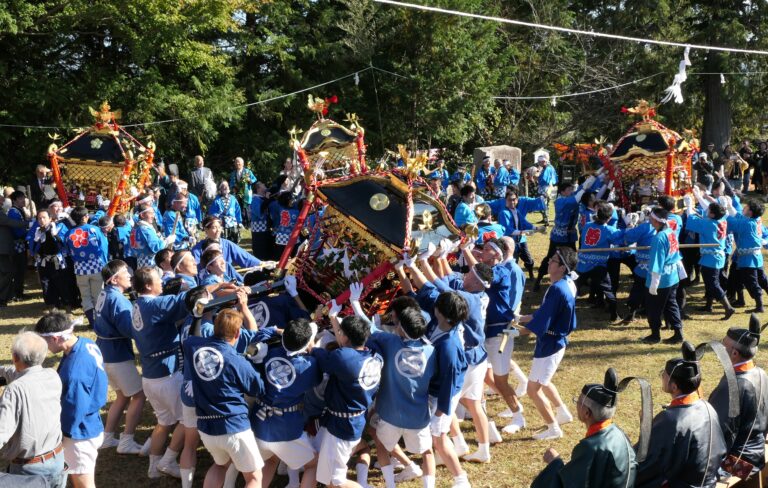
(675, 90)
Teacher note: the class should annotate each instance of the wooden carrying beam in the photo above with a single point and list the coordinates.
(641, 248)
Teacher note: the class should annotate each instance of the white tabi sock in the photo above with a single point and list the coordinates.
(187, 475)
(293, 477)
(458, 441)
(153, 460)
(428, 481)
(231, 477)
(362, 474)
(169, 456)
(484, 448)
(461, 478)
(389, 475)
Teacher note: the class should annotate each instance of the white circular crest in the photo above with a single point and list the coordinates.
(280, 373)
(136, 320)
(411, 362)
(370, 373)
(260, 312)
(208, 362)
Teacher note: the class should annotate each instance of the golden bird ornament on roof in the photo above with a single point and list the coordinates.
(426, 221)
(414, 166)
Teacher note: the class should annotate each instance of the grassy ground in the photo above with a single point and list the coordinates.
(595, 346)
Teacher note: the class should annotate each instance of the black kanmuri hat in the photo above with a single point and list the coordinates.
(686, 367)
(606, 393)
(747, 337)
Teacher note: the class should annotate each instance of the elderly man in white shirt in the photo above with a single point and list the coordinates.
(30, 412)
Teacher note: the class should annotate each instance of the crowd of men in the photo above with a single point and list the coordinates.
(262, 380)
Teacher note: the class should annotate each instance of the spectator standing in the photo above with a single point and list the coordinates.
(735, 168)
(41, 188)
(514, 175)
(19, 252)
(501, 179)
(547, 182)
(241, 181)
(201, 182)
(8, 227)
(745, 151)
(484, 177)
(30, 413)
(761, 168)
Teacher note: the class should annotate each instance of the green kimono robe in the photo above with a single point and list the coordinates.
(603, 460)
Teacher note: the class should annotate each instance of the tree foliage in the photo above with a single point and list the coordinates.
(201, 61)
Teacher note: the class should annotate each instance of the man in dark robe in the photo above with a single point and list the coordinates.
(604, 458)
(687, 445)
(745, 433)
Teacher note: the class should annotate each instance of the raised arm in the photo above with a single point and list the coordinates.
(249, 321)
(405, 282)
(291, 289)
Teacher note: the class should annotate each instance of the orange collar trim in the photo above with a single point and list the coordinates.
(597, 427)
(745, 366)
(685, 400)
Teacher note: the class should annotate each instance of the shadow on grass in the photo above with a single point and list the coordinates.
(20, 312)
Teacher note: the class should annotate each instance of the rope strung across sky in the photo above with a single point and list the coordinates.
(357, 74)
(570, 31)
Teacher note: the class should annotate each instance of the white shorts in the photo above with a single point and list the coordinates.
(442, 424)
(333, 458)
(240, 448)
(124, 377)
(417, 441)
(164, 394)
(294, 454)
(543, 369)
(80, 455)
(499, 361)
(474, 379)
(188, 417)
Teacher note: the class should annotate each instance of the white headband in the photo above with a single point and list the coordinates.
(212, 222)
(485, 283)
(186, 253)
(562, 261)
(148, 209)
(146, 199)
(66, 333)
(212, 245)
(657, 219)
(220, 256)
(312, 326)
(497, 249)
(109, 280)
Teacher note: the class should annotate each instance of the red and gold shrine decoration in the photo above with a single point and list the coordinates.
(355, 223)
(651, 160)
(103, 162)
